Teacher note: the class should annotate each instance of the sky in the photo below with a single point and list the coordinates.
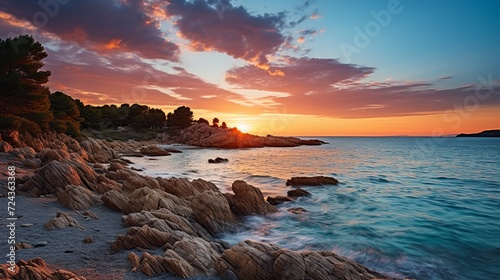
(305, 68)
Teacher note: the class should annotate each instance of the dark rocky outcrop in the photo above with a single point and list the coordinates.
(204, 135)
(486, 133)
(298, 193)
(276, 200)
(218, 160)
(311, 181)
(248, 200)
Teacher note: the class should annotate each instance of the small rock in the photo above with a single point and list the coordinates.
(172, 150)
(298, 192)
(88, 240)
(275, 200)
(62, 220)
(297, 210)
(218, 160)
(68, 252)
(88, 214)
(40, 244)
(153, 151)
(26, 225)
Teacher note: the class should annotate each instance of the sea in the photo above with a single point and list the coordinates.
(409, 207)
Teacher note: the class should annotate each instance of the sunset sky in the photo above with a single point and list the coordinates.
(383, 67)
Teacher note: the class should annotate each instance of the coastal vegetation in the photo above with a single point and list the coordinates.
(30, 107)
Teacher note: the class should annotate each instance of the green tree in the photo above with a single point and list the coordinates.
(181, 118)
(67, 117)
(23, 97)
(151, 118)
(92, 117)
(134, 111)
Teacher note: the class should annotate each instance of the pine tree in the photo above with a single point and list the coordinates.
(23, 97)
(181, 118)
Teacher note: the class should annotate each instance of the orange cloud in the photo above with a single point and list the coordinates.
(113, 44)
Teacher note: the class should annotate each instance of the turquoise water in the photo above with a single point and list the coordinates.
(425, 208)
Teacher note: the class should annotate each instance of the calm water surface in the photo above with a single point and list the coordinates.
(426, 208)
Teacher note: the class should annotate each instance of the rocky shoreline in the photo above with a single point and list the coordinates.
(168, 227)
(203, 135)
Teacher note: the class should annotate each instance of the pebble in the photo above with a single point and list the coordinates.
(40, 244)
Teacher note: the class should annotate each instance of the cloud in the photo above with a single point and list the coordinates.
(330, 88)
(233, 30)
(302, 75)
(103, 26)
(125, 78)
(446, 77)
(315, 15)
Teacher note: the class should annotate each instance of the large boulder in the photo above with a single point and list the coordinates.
(157, 265)
(250, 260)
(311, 181)
(132, 180)
(248, 200)
(146, 199)
(183, 188)
(55, 175)
(77, 197)
(212, 211)
(98, 150)
(144, 237)
(199, 253)
(165, 220)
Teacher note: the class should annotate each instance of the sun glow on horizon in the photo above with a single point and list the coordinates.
(243, 127)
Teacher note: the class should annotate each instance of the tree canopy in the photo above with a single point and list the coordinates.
(23, 97)
(181, 118)
(67, 117)
(215, 122)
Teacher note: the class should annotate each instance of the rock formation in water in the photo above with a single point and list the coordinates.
(311, 181)
(204, 135)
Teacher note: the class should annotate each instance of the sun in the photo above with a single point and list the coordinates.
(243, 127)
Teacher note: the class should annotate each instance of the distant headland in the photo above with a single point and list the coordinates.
(485, 133)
